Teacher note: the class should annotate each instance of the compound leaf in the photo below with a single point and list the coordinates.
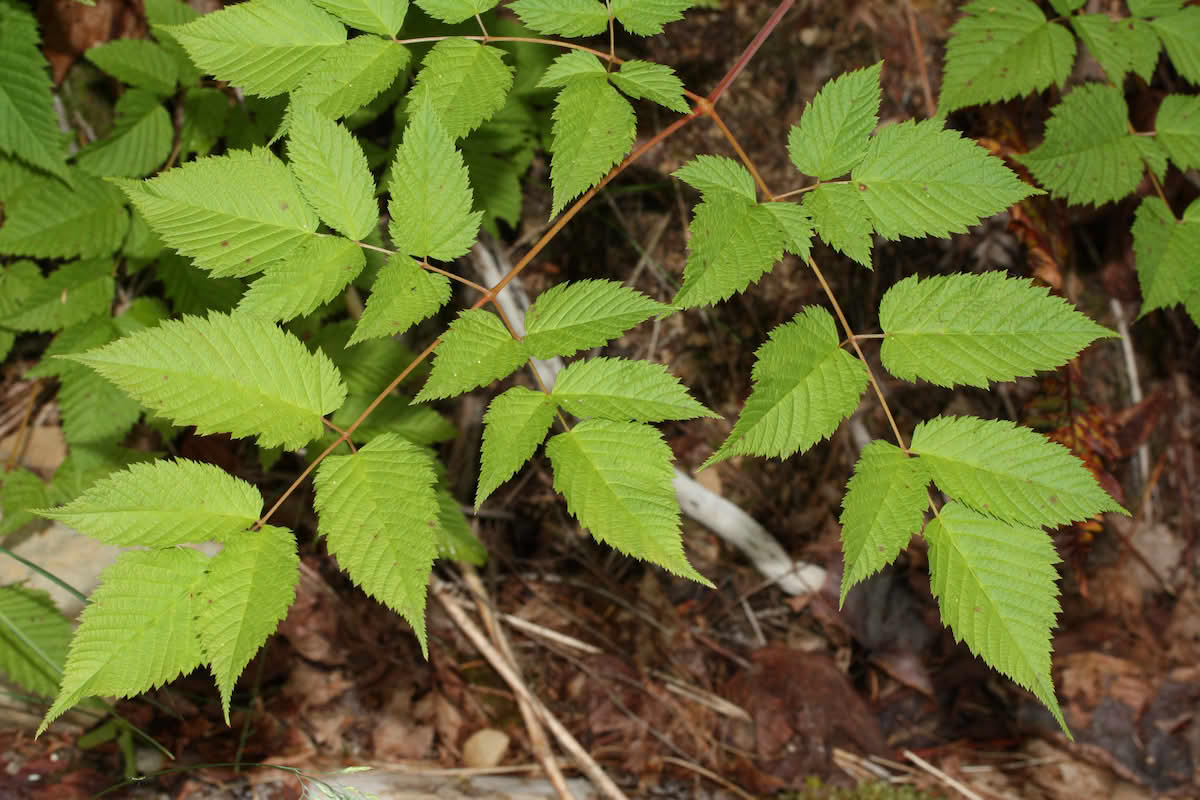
(33, 639)
(225, 374)
(841, 218)
(465, 82)
(163, 503)
(571, 18)
(28, 125)
(594, 128)
(804, 386)
(379, 514)
(265, 47)
(1180, 33)
(1003, 49)
(138, 631)
(734, 243)
(455, 11)
(1120, 45)
(138, 62)
(247, 590)
(348, 77)
(884, 506)
(1009, 472)
(569, 66)
(139, 143)
(579, 315)
(232, 214)
(332, 171)
(971, 329)
(647, 17)
(476, 350)
(655, 82)
(310, 276)
(920, 179)
(1088, 154)
(713, 174)
(51, 219)
(620, 389)
(995, 584)
(515, 424)
(384, 17)
(430, 190)
(617, 480)
(1165, 253)
(71, 294)
(1177, 129)
(832, 135)
(403, 294)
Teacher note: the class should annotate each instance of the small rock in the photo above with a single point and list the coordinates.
(485, 748)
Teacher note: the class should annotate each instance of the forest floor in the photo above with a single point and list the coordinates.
(680, 691)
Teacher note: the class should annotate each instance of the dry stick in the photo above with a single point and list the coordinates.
(569, 743)
(712, 776)
(937, 773)
(919, 47)
(537, 736)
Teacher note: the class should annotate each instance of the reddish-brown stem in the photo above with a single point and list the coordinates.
(750, 50)
(741, 154)
(919, 51)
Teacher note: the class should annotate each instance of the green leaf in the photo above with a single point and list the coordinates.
(163, 503)
(138, 630)
(247, 590)
(18, 281)
(570, 66)
(919, 179)
(311, 276)
(232, 214)
(515, 424)
(713, 174)
(594, 129)
(14, 176)
(396, 414)
(1012, 473)
(28, 125)
(1178, 129)
(971, 329)
(1165, 253)
(647, 17)
(841, 218)
(454, 537)
(51, 219)
(804, 386)
(496, 183)
(1003, 49)
(430, 204)
(620, 389)
(655, 82)
(332, 172)
(205, 111)
(71, 294)
(1088, 154)
(733, 244)
(87, 463)
(140, 141)
(191, 291)
(466, 84)
(832, 135)
(1120, 45)
(173, 12)
(384, 17)
(349, 76)
(20, 492)
(1180, 33)
(579, 315)
(617, 480)
(379, 513)
(7, 340)
(265, 47)
(1153, 8)
(455, 11)
(995, 584)
(1065, 7)
(367, 367)
(795, 223)
(402, 295)
(225, 374)
(33, 639)
(476, 350)
(573, 18)
(138, 62)
(884, 506)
